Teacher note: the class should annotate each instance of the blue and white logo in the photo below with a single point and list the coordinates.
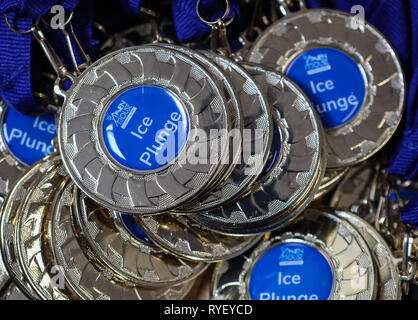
(332, 81)
(145, 128)
(316, 64)
(291, 271)
(29, 138)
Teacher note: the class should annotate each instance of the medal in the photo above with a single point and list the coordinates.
(112, 242)
(258, 123)
(9, 225)
(330, 180)
(292, 174)
(386, 265)
(23, 141)
(178, 235)
(318, 257)
(351, 74)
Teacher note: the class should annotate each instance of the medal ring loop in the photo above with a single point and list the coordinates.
(220, 21)
(28, 31)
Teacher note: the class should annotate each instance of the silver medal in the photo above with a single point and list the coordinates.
(386, 267)
(337, 52)
(178, 235)
(191, 90)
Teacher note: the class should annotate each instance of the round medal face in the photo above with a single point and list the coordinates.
(290, 177)
(87, 280)
(134, 125)
(318, 257)
(23, 141)
(127, 253)
(387, 270)
(351, 74)
(178, 235)
(256, 138)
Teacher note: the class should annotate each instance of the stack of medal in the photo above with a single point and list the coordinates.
(171, 159)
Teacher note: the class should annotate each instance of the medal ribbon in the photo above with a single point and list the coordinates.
(15, 49)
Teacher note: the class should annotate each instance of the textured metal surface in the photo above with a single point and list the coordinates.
(180, 236)
(31, 231)
(287, 189)
(85, 280)
(10, 212)
(387, 269)
(213, 197)
(110, 245)
(11, 168)
(257, 116)
(330, 180)
(346, 250)
(81, 145)
(382, 109)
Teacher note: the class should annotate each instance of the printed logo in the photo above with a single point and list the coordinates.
(122, 115)
(316, 64)
(291, 257)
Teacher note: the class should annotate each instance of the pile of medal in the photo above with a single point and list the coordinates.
(169, 159)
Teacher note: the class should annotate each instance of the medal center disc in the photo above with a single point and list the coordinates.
(29, 138)
(291, 271)
(332, 81)
(145, 128)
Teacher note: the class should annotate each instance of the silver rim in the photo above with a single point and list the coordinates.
(382, 108)
(280, 196)
(101, 178)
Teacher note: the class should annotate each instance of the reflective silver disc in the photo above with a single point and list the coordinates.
(211, 198)
(315, 35)
(330, 180)
(85, 151)
(180, 236)
(387, 269)
(132, 261)
(291, 177)
(346, 252)
(258, 124)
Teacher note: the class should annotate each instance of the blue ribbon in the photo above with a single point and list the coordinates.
(15, 49)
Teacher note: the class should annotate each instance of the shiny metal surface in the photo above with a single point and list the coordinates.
(180, 236)
(382, 109)
(283, 192)
(344, 248)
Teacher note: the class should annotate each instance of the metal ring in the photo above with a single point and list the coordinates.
(219, 20)
(30, 30)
